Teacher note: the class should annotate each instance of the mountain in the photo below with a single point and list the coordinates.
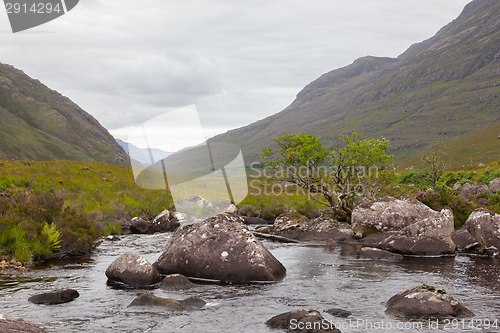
(142, 154)
(445, 88)
(38, 123)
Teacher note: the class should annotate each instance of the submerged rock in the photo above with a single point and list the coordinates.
(175, 282)
(425, 302)
(340, 313)
(148, 299)
(55, 297)
(429, 237)
(219, 250)
(9, 325)
(387, 214)
(374, 253)
(302, 320)
(298, 227)
(132, 270)
(484, 226)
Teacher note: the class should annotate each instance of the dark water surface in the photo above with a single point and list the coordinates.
(316, 278)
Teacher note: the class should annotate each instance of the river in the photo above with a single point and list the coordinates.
(317, 278)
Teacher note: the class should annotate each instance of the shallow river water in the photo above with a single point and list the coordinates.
(317, 278)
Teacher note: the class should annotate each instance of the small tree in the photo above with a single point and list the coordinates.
(434, 161)
(337, 174)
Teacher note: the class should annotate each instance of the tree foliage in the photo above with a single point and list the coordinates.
(338, 174)
(434, 162)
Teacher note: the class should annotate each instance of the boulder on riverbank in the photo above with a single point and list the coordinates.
(55, 297)
(298, 227)
(425, 303)
(164, 222)
(387, 214)
(484, 226)
(302, 321)
(9, 325)
(148, 299)
(219, 250)
(429, 237)
(133, 271)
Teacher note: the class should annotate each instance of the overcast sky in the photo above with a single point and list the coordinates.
(238, 61)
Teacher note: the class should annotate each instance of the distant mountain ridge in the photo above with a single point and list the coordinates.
(444, 88)
(142, 154)
(38, 123)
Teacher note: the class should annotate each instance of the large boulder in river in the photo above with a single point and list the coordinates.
(8, 325)
(133, 271)
(55, 297)
(302, 321)
(425, 303)
(387, 214)
(429, 237)
(295, 226)
(484, 226)
(175, 282)
(219, 250)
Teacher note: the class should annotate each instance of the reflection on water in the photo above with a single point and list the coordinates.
(316, 277)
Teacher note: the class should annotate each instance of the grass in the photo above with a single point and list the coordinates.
(65, 206)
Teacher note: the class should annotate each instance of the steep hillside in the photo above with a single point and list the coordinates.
(38, 123)
(444, 88)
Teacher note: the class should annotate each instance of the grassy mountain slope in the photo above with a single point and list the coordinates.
(40, 124)
(445, 88)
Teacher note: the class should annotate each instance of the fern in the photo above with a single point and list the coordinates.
(53, 234)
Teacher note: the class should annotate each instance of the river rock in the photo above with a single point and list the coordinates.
(484, 226)
(148, 299)
(9, 325)
(429, 237)
(339, 313)
(425, 303)
(301, 320)
(374, 253)
(139, 226)
(295, 226)
(175, 282)
(471, 190)
(387, 214)
(464, 240)
(219, 250)
(226, 217)
(132, 270)
(253, 220)
(164, 222)
(55, 297)
(494, 185)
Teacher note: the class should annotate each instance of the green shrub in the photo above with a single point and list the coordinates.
(112, 229)
(247, 210)
(419, 178)
(461, 208)
(488, 176)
